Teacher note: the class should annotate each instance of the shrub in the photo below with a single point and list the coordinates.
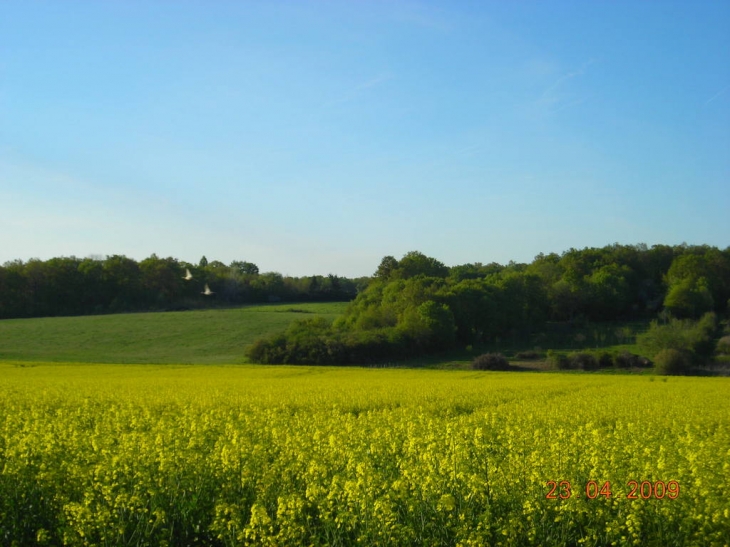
(270, 350)
(315, 342)
(723, 345)
(527, 355)
(582, 360)
(490, 361)
(626, 359)
(605, 360)
(671, 361)
(374, 346)
(704, 345)
(693, 338)
(558, 360)
(585, 360)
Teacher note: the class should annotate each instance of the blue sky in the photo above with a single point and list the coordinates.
(318, 137)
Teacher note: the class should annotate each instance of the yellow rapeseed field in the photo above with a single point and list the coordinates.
(278, 456)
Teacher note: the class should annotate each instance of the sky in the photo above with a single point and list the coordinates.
(318, 137)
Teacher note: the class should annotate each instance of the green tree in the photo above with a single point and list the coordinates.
(161, 279)
(693, 338)
(416, 263)
(567, 298)
(523, 302)
(245, 268)
(93, 297)
(13, 290)
(122, 282)
(431, 325)
(608, 289)
(547, 267)
(689, 297)
(439, 320)
(387, 267)
(474, 271)
(216, 265)
(476, 309)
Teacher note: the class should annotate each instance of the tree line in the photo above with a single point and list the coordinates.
(616, 282)
(418, 305)
(76, 286)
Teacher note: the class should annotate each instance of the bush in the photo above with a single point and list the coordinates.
(672, 361)
(605, 360)
(582, 360)
(587, 360)
(527, 355)
(314, 342)
(693, 338)
(704, 345)
(557, 360)
(723, 345)
(374, 346)
(490, 361)
(270, 350)
(626, 359)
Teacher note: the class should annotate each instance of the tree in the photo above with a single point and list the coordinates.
(269, 285)
(93, 297)
(693, 338)
(566, 298)
(415, 263)
(439, 320)
(608, 290)
(547, 267)
(523, 302)
(431, 325)
(245, 268)
(474, 271)
(13, 290)
(162, 279)
(386, 268)
(334, 282)
(122, 282)
(689, 297)
(62, 287)
(475, 305)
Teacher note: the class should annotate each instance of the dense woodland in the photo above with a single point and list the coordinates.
(417, 305)
(76, 286)
(610, 283)
(409, 307)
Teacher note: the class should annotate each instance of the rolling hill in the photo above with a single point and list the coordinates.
(201, 336)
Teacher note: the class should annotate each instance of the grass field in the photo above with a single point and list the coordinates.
(220, 336)
(253, 455)
(201, 336)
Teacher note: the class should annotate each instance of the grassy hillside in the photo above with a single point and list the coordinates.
(203, 336)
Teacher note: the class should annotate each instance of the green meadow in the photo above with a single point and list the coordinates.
(185, 337)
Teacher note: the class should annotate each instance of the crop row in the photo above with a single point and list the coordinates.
(296, 456)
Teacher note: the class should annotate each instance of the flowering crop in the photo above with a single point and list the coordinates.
(209, 455)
